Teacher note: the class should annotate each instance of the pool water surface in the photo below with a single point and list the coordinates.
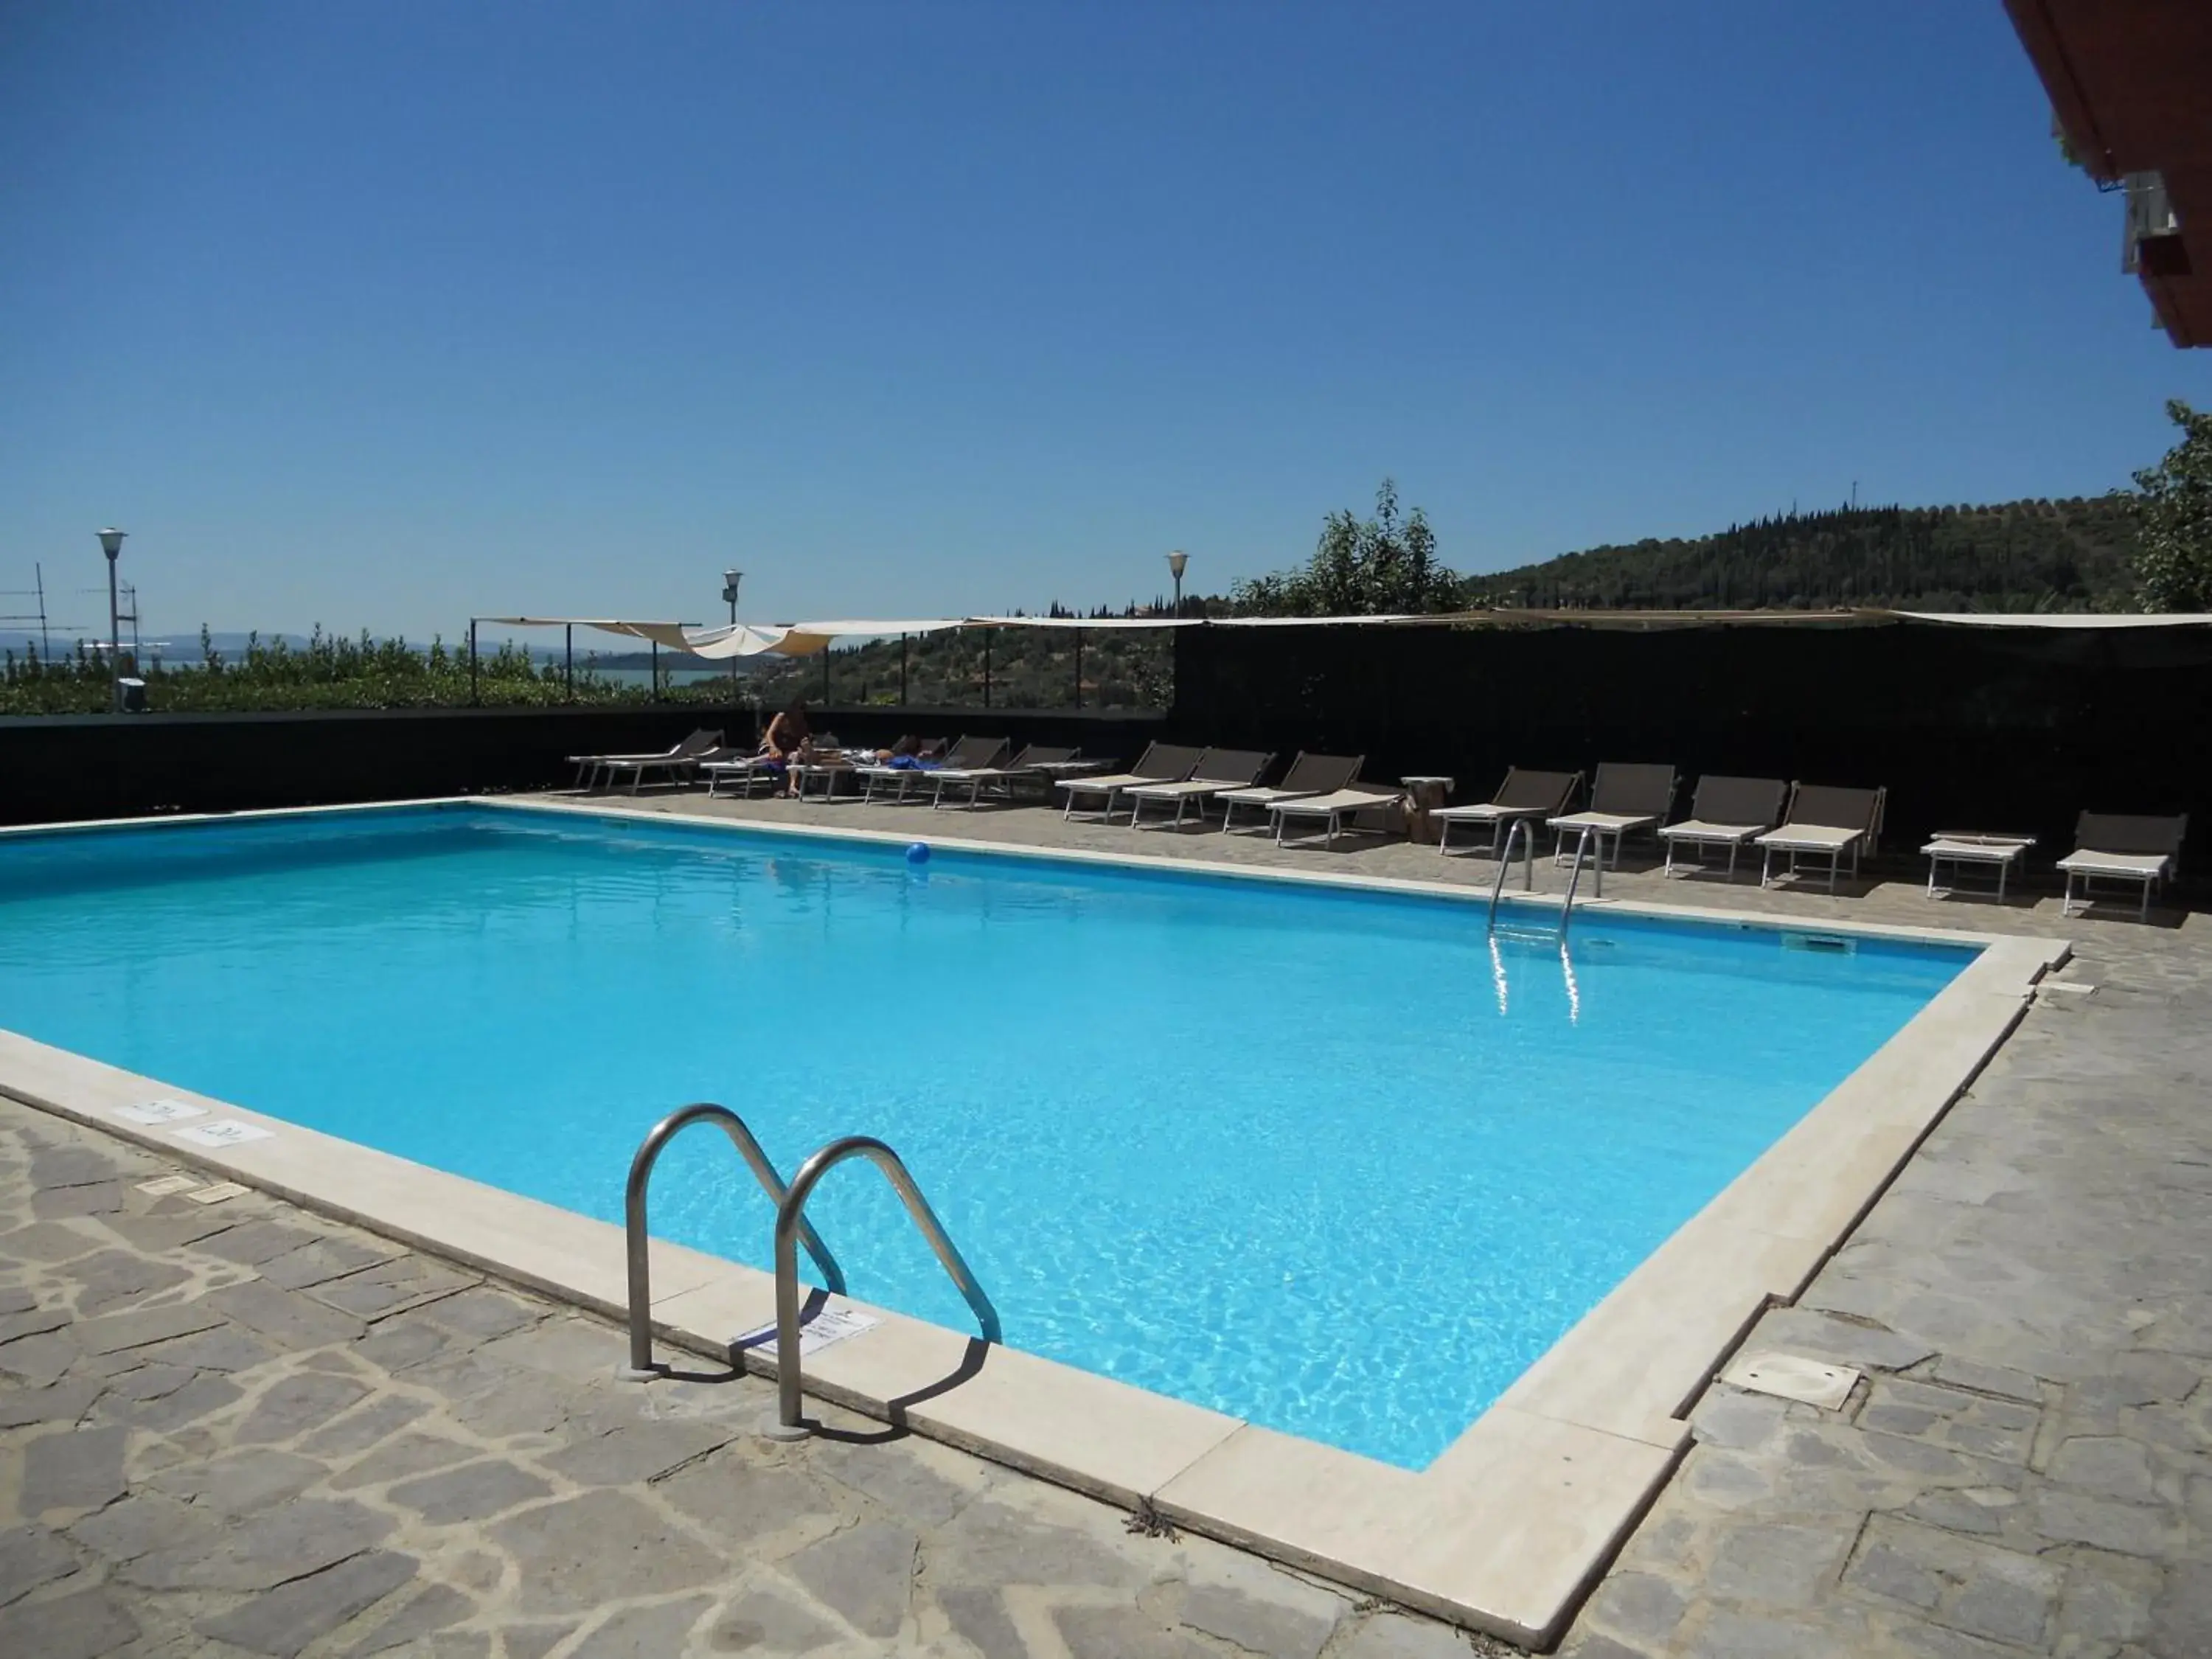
(1331, 1161)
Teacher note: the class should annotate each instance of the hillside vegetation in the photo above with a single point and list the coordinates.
(2073, 554)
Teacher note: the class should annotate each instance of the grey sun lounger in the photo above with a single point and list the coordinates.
(1524, 794)
(1309, 775)
(677, 757)
(1161, 763)
(1217, 771)
(743, 770)
(902, 780)
(1623, 799)
(1826, 822)
(2114, 847)
(1333, 809)
(1726, 812)
(996, 774)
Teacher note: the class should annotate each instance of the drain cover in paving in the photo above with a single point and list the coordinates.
(1792, 1376)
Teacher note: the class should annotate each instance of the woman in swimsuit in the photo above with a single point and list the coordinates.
(787, 735)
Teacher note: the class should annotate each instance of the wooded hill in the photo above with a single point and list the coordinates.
(2071, 555)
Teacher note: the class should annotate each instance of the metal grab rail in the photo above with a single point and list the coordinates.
(790, 1223)
(641, 1367)
(1518, 827)
(1567, 910)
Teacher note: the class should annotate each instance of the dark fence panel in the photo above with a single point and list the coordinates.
(1970, 729)
(55, 768)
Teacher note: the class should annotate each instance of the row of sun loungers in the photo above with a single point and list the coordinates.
(1170, 783)
(1799, 821)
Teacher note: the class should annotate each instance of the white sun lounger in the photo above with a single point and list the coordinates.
(1523, 795)
(1161, 763)
(744, 771)
(998, 774)
(1624, 799)
(674, 758)
(902, 780)
(2114, 847)
(1725, 812)
(1309, 775)
(1824, 821)
(1961, 847)
(1333, 809)
(1218, 771)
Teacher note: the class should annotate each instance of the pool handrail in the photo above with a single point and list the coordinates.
(791, 1224)
(1575, 876)
(1519, 828)
(641, 1367)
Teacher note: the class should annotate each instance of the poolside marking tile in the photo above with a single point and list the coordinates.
(160, 1111)
(165, 1185)
(218, 1192)
(1793, 1377)
(230, 1132)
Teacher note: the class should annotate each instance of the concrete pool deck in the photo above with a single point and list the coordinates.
(1302, 1491)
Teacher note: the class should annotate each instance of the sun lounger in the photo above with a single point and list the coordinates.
(1309, 775)
(1825, 821)
(744, 771)
(1623, 799)
(1524, 794)
(1333, 809)
(676, 757)
(1959, 848)
(993, 772)
(1161, 763)
(1725, 812)
(826, 768)
(900, 780)
(2112, 847)
(1218, 771)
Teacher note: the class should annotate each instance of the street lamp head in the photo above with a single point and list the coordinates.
(1177, 561)
(110, 542)
(730, 580)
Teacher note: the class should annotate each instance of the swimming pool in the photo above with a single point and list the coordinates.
(1321, 1159)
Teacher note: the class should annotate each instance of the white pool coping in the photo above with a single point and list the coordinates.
(1506, 1531)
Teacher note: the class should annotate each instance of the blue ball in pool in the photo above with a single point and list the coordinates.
(918, 854)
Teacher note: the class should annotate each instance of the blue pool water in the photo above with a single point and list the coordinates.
(1317, 1159)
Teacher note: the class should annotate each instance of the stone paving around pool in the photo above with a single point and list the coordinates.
(2027, 1466)
(241, 1429)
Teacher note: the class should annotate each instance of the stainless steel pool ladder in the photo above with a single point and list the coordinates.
(1520, 827)
(790, 1227)
(641, 1367)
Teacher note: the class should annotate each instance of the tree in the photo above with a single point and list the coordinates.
(2173, 505)
(1381, 565)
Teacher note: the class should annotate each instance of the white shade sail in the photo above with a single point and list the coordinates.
(808, 639)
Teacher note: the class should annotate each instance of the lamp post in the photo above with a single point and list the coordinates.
(111, 543)
(730, 580)
(1177, 561)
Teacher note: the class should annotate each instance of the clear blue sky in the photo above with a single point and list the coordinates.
(377, 314)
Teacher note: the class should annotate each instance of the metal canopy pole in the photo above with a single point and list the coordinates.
(569, 661)
(825, 673)
(472, 662)
(902, 671)
(1079, 668)
(986, 668)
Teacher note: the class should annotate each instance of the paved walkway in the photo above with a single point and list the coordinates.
(241, 1429)
(244, 1429)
